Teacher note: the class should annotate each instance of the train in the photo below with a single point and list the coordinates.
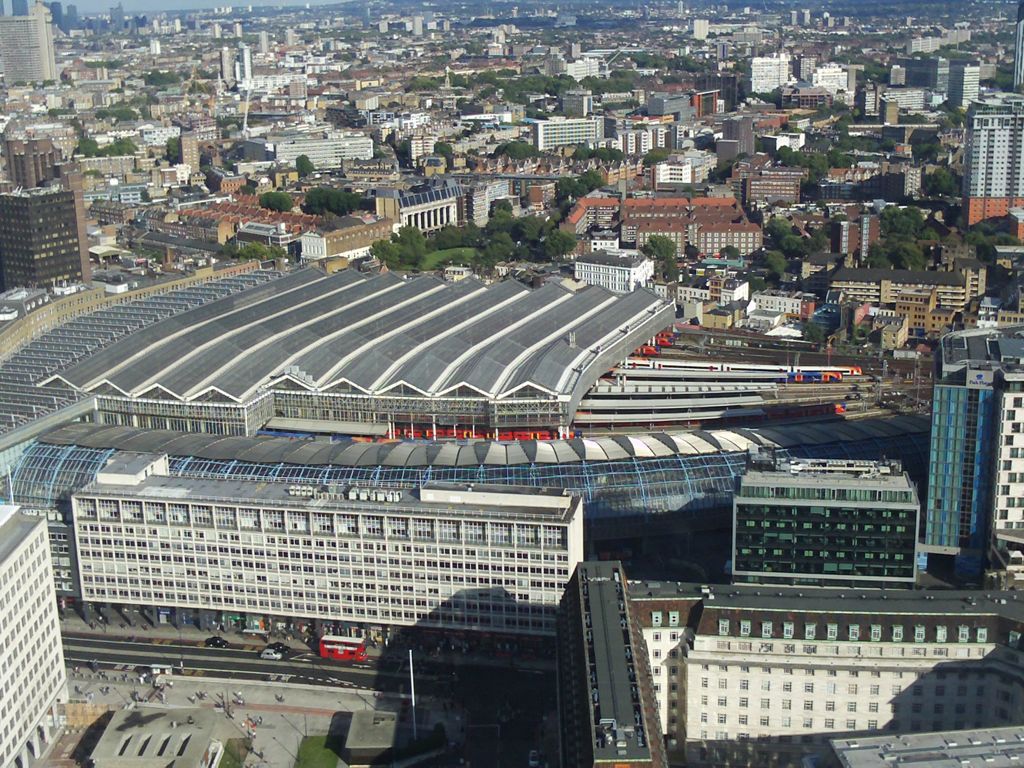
(782, 374)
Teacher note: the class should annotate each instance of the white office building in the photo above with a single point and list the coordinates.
(243, 66)
(964, 84)
(326, 148)
(832, 77)
(33, 680)
(26, 46)
(769, 72)
(563, 132)
(701, 27)
(462, 557)
(621, 272)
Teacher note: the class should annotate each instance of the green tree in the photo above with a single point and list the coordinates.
(813, 332)
(172, 149)
(304, 165)
(387, 252)
(775, 263)
(412, 246)
(322, 200)
(941, 183)
(655, 156)
(446, 238)
(499, 248)
(277, 201)
(516, 150)
(559, 244)
(444, 149)
(662, 250)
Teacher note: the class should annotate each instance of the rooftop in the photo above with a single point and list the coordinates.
(150, 737)
(983, 748)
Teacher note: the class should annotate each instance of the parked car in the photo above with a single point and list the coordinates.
(271, 654)
(216, 642)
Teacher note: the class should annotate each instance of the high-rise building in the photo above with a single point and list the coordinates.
(39, 238)
(117, 17)
(189, 150)
(741, 130)
(71, 17)
(33, 679)
(700, 29)
(243, 66)
(1018, 51)
(57, 13)
(31, 162)
(964, 87)
(563, 132)
(769, 72)
(993, 174)
(26, 46)
(931, 73)
(825, 523)
(417, 25)
(264, 42)
(976, 461)
(154, 47)
(227, 65)
(291, 39)
(19, 7)
(238, 29)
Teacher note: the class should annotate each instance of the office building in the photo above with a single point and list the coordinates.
(618, 272)
(57, 13)
(964, 79)
(33, 680)
(71, 17)
(325, 147)
(39, 239)
(19, 7)
(741, 130)
(976, 462)
(825, 523)
(993, 176)
(833, 78)
(264, 42)
(701, 28)
(117, 17)
(417, 26)
(749, 676)
(606, 706)
(461, 557)
(26, 46)
(563, 132)
(931, 73)
(578, 103)
(769, 72)
(1018, 49)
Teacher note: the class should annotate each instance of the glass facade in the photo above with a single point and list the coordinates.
(47, 474)
(960, 468)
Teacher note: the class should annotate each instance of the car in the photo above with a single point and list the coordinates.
(279, 647)
(216, 642)
(271, 654)
(534, 760)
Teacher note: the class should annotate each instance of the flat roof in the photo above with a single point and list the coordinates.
(14, 527)
(977, 748)
(154, 737)
(617, 713)
(441, 499)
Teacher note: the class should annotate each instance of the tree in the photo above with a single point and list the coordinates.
(731, 252)
(172, 150)
(444, 149)
(775, 263)
(655, 156)
(813, 332)
(321, 200)
(447, 238)
(387, 252)
(304, 165)
(500, 248)
(559, 244)
(663, 251)
(940, 183)
(276, 201)
(412, 246)
(516, 150)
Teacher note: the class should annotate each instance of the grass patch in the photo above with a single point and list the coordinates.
(448, 256)
(316, 752)
(235, 751)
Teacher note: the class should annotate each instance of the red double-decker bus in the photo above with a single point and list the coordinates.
(342, 648)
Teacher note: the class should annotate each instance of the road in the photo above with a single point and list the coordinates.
(241, 661)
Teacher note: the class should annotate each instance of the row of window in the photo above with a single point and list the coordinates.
(853, 631)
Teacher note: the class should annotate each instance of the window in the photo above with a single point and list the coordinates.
(876, 632)
(830, 706)
(744, 628)
(744, 685)
(854, 632)
(723, 701)
(851, 706)
(723, 626)
(940, 634)
(766, 703)
(810, 630)
(808, 687)
(656, 620)
(832, 631)
(918, 633)
(764, 721)
(787, 630)
(963, 634)
(808, 705)
(766, 629)
(982, 634)
(897, 634)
